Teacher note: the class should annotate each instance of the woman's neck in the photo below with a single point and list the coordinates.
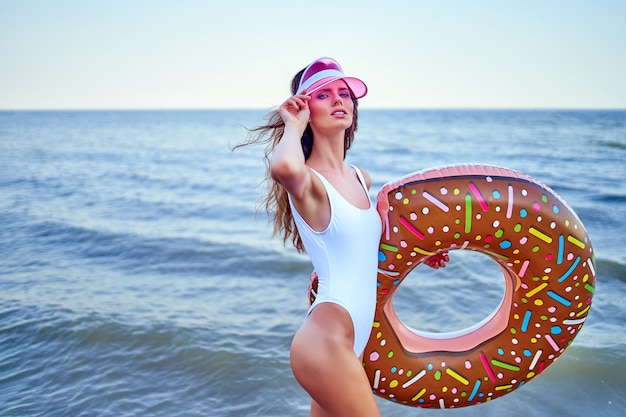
(327, 153)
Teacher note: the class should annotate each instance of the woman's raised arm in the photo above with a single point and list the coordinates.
(287, 164)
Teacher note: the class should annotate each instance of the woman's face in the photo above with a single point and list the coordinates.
(331, 107)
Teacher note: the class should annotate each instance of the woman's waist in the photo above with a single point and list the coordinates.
(359, 286)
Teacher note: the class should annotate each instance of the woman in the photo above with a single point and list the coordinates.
(322, 204)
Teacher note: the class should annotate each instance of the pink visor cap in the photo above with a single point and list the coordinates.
(324, 71)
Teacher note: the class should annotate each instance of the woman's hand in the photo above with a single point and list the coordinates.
(312, 287)
(438, 260)
(295, 110)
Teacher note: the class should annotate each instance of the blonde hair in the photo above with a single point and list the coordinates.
(276, 201)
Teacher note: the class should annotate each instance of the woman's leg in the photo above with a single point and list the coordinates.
(316, 410)
(323, 362)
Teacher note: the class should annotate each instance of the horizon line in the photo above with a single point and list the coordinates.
(190, 109)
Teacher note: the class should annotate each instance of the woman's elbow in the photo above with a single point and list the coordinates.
(291, 176)
(282, 170)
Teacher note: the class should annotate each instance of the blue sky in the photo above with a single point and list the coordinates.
(179, 54)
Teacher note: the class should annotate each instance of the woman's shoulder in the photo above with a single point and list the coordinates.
(364, 175)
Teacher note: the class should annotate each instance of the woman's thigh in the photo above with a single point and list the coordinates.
(324, 363)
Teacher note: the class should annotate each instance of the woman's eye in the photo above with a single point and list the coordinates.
(322, 95)
(346, 94)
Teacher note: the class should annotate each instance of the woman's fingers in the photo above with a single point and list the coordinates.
(438, 260)
(299, 102)
(295, 109)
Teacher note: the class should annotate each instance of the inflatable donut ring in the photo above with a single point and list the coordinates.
(548, 265)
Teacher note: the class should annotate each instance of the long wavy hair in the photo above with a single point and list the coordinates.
(276, 200)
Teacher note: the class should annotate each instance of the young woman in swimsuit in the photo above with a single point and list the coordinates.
(321, 203)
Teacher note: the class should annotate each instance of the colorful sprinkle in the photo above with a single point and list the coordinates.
(539, 234)
(414, 379)
(570, 270)
(428, 196)
(479, 196)
(411, 229)
(572, 239)
(526, 320)
(504, 365)
(456, 376)
(558, 298)
(468, 213)
(387, 247)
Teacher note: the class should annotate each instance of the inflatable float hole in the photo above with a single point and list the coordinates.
(450, 301)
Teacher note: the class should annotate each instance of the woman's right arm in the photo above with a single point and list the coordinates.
(287, 164)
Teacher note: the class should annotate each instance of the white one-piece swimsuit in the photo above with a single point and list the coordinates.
(345, 258)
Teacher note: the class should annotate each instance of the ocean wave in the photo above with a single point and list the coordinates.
(130, 251)
(609, 269)
(613, 144)
(609, 198)
(64, 363)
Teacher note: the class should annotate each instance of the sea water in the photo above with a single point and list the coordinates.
(139, 278)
